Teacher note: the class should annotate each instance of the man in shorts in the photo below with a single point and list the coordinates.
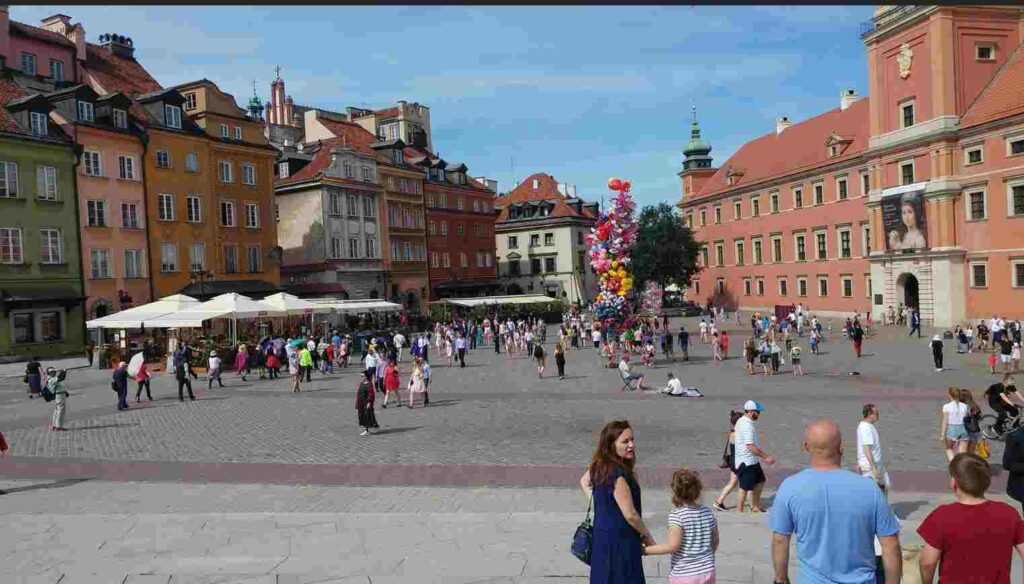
(628, 374)
(1000, 399)
(749, 456)
(1005, 351)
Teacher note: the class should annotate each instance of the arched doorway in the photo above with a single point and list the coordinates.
(373, 294)
(412, 301)
(908, 285)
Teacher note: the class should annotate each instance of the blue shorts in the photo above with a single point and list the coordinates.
(956, 432)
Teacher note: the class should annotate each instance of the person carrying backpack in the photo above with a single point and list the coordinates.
(541, 357)
(55, 388)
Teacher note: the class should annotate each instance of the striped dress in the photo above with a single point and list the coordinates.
(695, 556)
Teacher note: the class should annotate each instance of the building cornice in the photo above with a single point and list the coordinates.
(511, 226)
(895, 19)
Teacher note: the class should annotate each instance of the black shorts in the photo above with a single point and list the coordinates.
(750, 476)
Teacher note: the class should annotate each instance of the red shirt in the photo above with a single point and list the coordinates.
(976, 541)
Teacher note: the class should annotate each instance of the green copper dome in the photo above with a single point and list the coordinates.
(696, 145)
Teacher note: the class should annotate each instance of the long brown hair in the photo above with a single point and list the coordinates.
(968, 398)
(605, 459)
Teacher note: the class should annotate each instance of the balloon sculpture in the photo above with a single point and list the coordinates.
(611, 245)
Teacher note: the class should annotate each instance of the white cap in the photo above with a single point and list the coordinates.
(753, 406)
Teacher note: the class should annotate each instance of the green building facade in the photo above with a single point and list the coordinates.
(41, 290)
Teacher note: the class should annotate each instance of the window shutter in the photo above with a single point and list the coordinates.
(40, 181)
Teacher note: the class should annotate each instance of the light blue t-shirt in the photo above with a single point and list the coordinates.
(835, 515)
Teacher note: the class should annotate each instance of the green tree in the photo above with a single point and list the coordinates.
(665, 251)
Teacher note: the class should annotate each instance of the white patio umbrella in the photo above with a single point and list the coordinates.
(293, 304)
(230, 305)
(137, 316)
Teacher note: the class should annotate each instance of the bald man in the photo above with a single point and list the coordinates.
(836, 515)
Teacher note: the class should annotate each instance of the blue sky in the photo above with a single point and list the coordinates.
(582, 93)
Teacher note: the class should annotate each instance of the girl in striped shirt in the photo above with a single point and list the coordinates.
(692, 533)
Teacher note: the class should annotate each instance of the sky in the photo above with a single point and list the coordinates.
(581, 93)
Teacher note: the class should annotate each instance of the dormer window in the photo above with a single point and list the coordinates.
(224, 131)
(172, 116)
(28, 64)
(38, 123)
(190, 101)
(440, 174)
(536, 183)
(86, 113)
(238, 133)
(398, 157)
(282, 170)
(120, 118)
(833, 151)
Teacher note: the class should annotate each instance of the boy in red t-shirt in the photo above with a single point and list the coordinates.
(973, 538)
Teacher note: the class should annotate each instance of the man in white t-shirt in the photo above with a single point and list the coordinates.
(748, 458)
(626, 370)
(869, 449)
(399, 340)
(675, 388)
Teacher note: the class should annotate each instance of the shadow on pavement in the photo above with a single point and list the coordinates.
(107, 426)
(54, 485)
(396, 430)
(903, 509)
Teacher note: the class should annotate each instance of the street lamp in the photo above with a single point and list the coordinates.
(200, 276)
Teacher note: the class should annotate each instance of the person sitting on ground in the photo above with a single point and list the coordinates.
(675, 388)
(625, 369)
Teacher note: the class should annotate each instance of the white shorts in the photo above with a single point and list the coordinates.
(884, 473)
(1004, 358)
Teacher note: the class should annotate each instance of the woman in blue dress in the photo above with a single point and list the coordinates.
(619, 531)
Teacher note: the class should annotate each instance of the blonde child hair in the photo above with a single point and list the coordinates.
(686, 487)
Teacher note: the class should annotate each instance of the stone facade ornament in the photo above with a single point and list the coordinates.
(904, 59)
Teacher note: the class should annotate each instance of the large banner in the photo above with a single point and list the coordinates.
(904, 222)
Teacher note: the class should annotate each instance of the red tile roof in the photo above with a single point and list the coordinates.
(40, 34)
(799, 147)
(391, 112)
(547, 190)
(115, 73)
(9, 91)
(1002, 97)
(321, 162)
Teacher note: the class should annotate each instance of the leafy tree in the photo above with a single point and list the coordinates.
(665, 251)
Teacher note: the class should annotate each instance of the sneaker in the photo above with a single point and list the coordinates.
(365, 432)
(718, 506)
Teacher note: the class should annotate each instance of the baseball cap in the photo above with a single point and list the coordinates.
(753, 406)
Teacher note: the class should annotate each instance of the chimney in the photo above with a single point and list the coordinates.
(58, 23)
(401, 107)
(781, 124)
(562, 188)
(847, 97)
(119, 45)
(5, 28)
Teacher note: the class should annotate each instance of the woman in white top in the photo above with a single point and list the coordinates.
(952, 433)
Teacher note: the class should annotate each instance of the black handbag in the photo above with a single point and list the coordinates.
(582, 539)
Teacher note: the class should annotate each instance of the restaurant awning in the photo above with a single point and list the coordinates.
(231, 305)
(293, 304)
(356, 306)
(500, 300)
(139, 316)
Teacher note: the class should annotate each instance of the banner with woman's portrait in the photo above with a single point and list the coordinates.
(904, 222)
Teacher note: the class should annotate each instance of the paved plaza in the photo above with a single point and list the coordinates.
(251, 483)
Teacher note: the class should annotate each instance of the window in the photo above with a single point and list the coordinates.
(783, 287)
(407, 251)
(352, 204)
(99, 264)
(353, 247)
(719, 254)
(163, 159)
(86, 112)
(463, 260)
(756, 244)
(865, 232)
(231, 259)
(1015, 192)
(193, 209)
(907, 115)
(845, 250)
(718, 215)
(253, 253)
(192, 162)
(197, 257)
(120, 118)
(190, 101)
(760, 287)
(23, 328)
(822, 286)
(51, 246)
(513, 241)
(431, 228)
(865, 184)
(1018, 274)
(460, 203)
(979, 275)
(822, 245)
(133, 264)
(282, 170)
(57, 69)
(535, 240)
(774, 202)
(350, 170)
(367, 173)
(696, 287)
(225, 132)
(549, 239)
(746, 286)
(907, 173)
(50, 326)
(974, 155)
(798, 198)
(737, 209)
(126, 167)
(841, 191)
(867, 286)
(335, 247)
(720, 285)
(819, 194)
(777, 249)
(368, 207)
(46, 183)
(704, 256)
(755, 207)
(801, 286)
(460, 229)
(10, 245)
(1014, 146)
(534, 265)
(248, 174)
(130, 215)
(238, 133)
(96, 213)
(165, 207)
(334, 204)
(277, 213)
(93, 163)
(477, 229)
(38, 122)
(172, 116)
(984, 52)
(225, 172)
(8, 179)
(847, 284)
(252, 215)
(703, 218)
(976, 206)
(549, 265)
(446, 260)
(28, 64)
(740, 253)
(227, 214)
(434, 263)
(168, 257)
(801, 248)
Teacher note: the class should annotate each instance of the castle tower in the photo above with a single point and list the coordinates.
(696, 160)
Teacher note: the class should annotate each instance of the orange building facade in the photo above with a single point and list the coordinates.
(907, 197)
